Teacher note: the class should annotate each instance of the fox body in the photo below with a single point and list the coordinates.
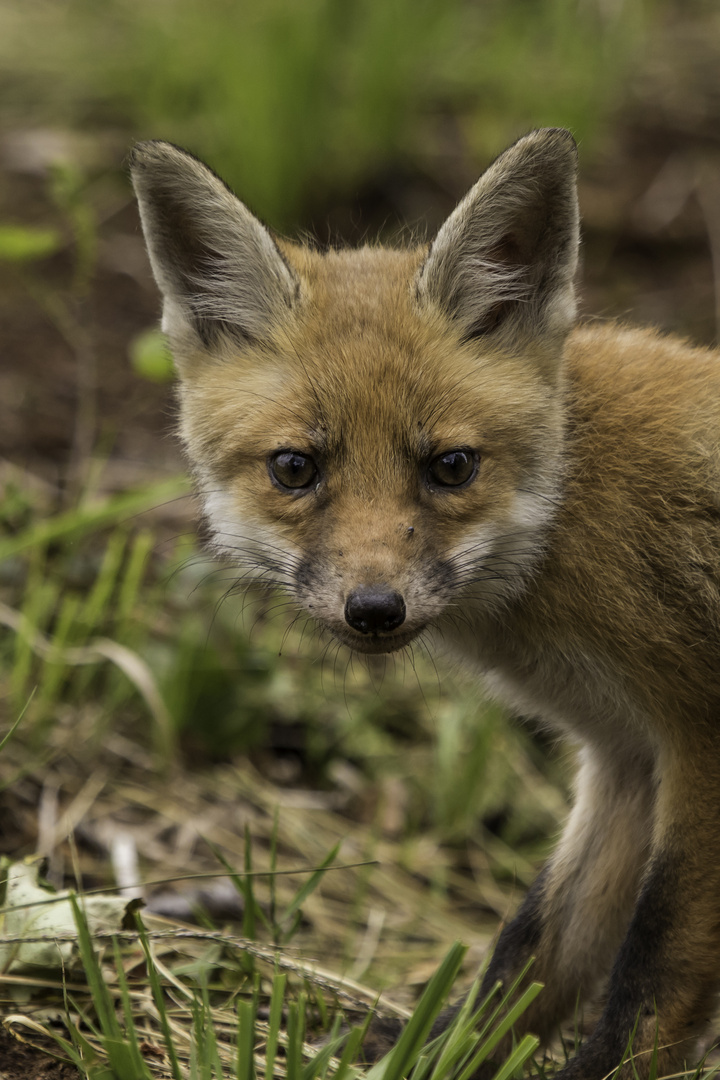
(424, 442)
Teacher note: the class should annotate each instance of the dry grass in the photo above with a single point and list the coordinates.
(378, 919)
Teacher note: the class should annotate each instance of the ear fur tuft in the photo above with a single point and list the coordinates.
(503, 263)
(218, 268)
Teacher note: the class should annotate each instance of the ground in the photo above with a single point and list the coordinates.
(20, 1062)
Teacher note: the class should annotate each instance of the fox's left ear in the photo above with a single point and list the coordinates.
(503, 263)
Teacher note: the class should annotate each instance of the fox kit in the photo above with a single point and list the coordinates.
(423, 442)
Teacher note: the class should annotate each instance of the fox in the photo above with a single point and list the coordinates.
(425, 442)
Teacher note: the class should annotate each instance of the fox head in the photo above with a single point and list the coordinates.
(377, 431)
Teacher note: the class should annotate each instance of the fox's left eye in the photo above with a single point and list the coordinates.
(292, 471)
(451, 469)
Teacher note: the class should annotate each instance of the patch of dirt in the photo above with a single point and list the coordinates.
(20, 1061)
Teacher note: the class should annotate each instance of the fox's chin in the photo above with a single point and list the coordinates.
(376, 644)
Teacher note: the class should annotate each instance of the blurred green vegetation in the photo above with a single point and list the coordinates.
(294, 102)
(219, 674)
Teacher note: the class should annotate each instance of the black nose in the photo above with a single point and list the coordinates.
(374, 608)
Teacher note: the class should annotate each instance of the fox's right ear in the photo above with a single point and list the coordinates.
(218, 268)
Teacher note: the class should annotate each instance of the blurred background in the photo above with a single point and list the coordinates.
(155, 702)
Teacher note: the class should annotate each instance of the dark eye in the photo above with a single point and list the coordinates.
(451, 469)
(292, 470)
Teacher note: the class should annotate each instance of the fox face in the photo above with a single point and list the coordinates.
(378, 432)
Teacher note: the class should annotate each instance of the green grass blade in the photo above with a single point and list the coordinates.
(335, 1041)
(350, 1054)
(246, 1040)
(628, 1058)
(22, 242)
(141, 1069)
(277, 1001)
(132, 578)
(504, 997)
(317, 1066)
(461, 1037)
(519, 1007)
(402, 1057)
(272, 909)
(88, 518)
(97, 606)
(55, 670)
(507, 1022)
(420, 1068)
(98, 601)
(123, 1054)
(102, 1000)
(8, 735)
(39, 602)
(250, 902)
(79, 1050)
(295, 1038)
(212, 1054)
(310, 885)
(122, 1060)
(159, 999)
(321, 1005)
(199, 1042)
(526, 1048)
(244, 885)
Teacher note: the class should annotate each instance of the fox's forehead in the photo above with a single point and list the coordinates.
(364, 356)
(361, 371)
(364, 281)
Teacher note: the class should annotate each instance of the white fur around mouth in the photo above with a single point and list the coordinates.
(376, 644)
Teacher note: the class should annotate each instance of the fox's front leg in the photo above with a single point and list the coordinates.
(667, 972)
(577, 912)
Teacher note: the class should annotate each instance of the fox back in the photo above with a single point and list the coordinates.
(423, 442)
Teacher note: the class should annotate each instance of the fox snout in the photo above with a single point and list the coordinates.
(374, 609)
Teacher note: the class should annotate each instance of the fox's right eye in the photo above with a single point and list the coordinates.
(292, 471)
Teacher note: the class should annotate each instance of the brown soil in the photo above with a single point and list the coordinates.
(20, 1061)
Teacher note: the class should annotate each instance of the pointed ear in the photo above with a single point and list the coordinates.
(218, 268)
(503, 263)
